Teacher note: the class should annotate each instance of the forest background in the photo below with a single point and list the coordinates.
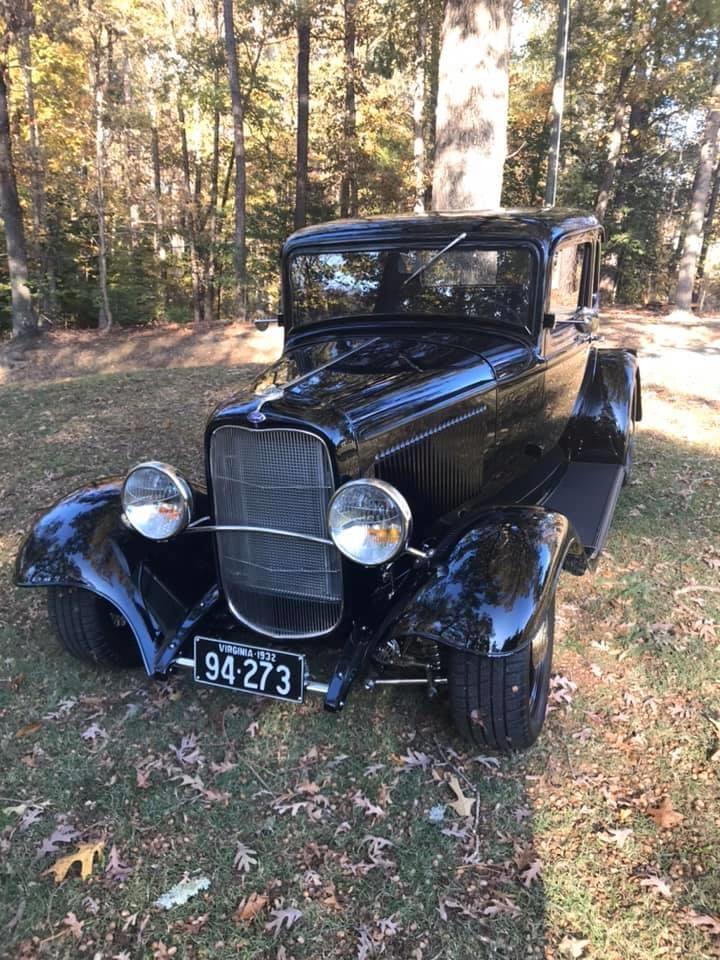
(135, 142)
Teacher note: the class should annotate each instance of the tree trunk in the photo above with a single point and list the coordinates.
(24, 318)
(472, 107)
(348, 183)
(558, 102)
(190, 218)
(238, 113)
(303, 112)
(211, 220)
(99, 83)
(615, 142)
(708, 236)
(698, 203)
(419, 110)
(41, 233)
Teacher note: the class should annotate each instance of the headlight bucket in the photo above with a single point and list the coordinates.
(369, 521)
(157, 502)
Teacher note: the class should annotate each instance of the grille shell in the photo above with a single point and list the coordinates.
(282, 576)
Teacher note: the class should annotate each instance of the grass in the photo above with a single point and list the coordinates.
(638, 727)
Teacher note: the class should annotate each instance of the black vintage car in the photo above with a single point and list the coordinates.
(397, 495)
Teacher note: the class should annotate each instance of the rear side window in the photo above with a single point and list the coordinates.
(568, 282)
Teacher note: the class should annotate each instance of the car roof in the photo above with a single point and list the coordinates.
(546, 225)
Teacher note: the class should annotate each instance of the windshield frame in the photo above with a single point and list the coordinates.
(434, 243)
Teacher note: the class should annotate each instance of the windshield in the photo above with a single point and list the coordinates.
(484, 284)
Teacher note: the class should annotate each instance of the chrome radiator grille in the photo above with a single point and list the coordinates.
(281, 574)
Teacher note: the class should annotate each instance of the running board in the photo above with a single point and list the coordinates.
(587, 495)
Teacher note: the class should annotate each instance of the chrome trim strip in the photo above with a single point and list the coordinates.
(279, 533)
(430, 432)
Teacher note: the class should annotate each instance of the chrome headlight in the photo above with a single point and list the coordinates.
(370, 521)
(156, 501)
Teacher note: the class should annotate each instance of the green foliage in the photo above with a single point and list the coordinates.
(164, 59)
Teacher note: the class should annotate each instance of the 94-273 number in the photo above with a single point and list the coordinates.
(259, 676)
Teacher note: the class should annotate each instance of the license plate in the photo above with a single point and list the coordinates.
(255, 670)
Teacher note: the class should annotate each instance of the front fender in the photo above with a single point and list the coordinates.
(82, 541)
(490, 586)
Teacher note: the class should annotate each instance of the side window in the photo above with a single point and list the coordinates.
(569, 279)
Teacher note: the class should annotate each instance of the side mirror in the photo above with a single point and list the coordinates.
(587, 319)
(262, 323)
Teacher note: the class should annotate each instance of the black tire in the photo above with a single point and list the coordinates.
(500, 702)
(91, 629)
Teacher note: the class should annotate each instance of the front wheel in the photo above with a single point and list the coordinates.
(91, 629)
(500, 702)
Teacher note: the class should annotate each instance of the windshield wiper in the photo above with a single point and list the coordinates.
(432, 260)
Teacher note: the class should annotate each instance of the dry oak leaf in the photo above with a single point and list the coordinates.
(657, 885)
(250, 907)
(84, 855)
(74, 925)
(462, 805)
(531, 873)
(664, 816)
(244, 858)
(570, 947)
(703, 920)
(288, 916)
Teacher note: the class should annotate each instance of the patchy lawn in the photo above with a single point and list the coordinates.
(336, 837)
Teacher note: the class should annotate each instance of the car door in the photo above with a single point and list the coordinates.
(566, 344)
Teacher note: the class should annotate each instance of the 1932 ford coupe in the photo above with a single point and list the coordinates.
(398, 493)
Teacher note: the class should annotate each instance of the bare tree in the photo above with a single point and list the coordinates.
(419, 109)
(692, 246)
(708, 236)
(99, 82)
(348, 183)
(40, 235)
(558, 102)
(303, 112)
(238, 113)
(615, 142)
(24, 318)
(471, 137)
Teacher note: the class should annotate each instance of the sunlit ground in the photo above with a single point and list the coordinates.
(602, 841)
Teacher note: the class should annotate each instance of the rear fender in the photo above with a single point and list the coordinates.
(609, 401)
(83, 541)
(490, 587)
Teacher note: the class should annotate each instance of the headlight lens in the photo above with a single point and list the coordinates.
(370, 521)
(157, 502)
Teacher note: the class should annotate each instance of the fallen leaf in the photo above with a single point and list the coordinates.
(570, 947)
(116, 870)
(250, 907)
(664, 816)
(182, 892)
(244, 858)
(415, 758)
(462, 805)
(28, 729)
(618, 836)
(64, 833)
(288, 916)
(704, 921)
(188, 752)
(94, 732)
(657, 885)
(74, 925)
(531, 873)
(84, 855)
